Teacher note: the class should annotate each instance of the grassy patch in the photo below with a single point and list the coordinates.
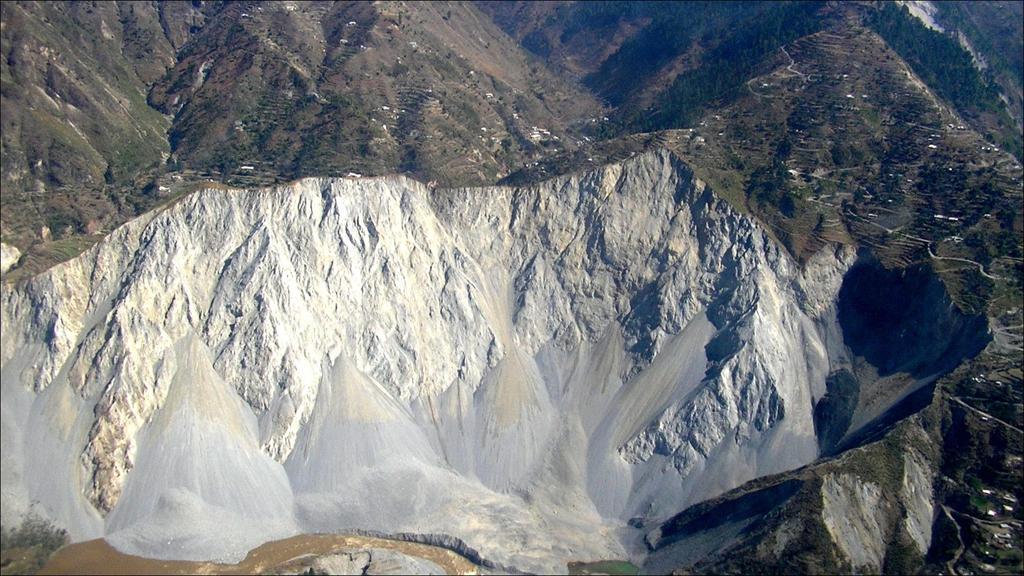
(46, 255)
(25, 549)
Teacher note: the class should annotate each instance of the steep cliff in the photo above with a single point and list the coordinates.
(526, 369)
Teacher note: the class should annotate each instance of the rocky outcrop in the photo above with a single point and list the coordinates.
(523, 369)
(869, 510)
(341, 563)
(448, 543)
(372, 561)
(9, 256)
(854, 514)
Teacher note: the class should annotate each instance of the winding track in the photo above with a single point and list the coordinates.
(986, 414)
(789, 67)
(981, 267)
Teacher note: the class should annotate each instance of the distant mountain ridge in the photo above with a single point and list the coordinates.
(130, 104)
(110, 108)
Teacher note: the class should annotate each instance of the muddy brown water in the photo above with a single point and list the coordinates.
(99, 557)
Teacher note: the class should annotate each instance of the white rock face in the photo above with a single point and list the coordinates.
(855, 516)
(9, 256)
(917, 493)
(523, 368)
(924, 11)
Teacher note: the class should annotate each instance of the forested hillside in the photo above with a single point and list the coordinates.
(945, 66)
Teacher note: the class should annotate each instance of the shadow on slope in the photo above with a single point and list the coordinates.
(905, 333)
(905, 327)
(904, 321)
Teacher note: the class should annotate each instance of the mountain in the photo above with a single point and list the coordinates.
(835, 139)
(504, 351)
(147, 101)
(666, 61)
(247, 94)
(326, 88)
(958, 72)
(708, 287)
(990, 32)
(75, 117)
(80, 142)
(131, 104)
